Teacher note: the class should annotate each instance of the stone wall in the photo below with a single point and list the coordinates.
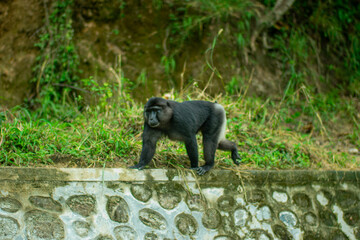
(173, 204)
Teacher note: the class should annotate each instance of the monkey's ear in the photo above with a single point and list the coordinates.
(167, 103)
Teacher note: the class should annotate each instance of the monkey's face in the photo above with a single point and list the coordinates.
(152, 114)
(158, 114)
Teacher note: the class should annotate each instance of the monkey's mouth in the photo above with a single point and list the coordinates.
(154, 125)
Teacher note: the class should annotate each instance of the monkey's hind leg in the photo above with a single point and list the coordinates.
(227, 145)
(209, 155)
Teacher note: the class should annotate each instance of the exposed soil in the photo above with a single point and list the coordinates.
(20, 21)
(133, 39)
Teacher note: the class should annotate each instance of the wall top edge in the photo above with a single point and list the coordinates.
(214, 176)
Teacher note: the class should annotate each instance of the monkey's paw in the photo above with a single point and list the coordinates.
(202, 170)
(137, 166)
(236, 157)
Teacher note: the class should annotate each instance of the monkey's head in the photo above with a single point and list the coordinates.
(157, 112)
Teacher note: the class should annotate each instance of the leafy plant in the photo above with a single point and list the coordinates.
(57, 65)
(104, 92)
(169, 64)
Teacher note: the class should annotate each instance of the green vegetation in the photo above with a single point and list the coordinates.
(316, 42)
(88, 138)
(312, 123)
(271, 135)
(56, 71)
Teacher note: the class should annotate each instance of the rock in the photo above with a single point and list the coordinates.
(353, 151)
(186, 224)
(151, 236)
(346, 199)
(302, 200)
(152, 218)
(125, 233)
(9, 204)
(81, 228)
(46, 203)
(141, 192)
(104, 237)
(41, 225)
(288, 218)
(9, 227)
(241, 217)
(82, 204)
(310, 218)
(168, 195)
(226, 203)
(281, 232)
(195, 202)
(117, 209)
(211, 218)
(263, 213)
(256, 196)
(280, 197)
(328, 218)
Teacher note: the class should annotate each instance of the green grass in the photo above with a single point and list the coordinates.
(292, 133)
(90, 138)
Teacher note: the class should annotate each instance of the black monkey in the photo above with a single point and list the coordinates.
(181, 122)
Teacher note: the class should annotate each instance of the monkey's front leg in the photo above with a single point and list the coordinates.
(192, 151)
(150, 138)
(147, 153)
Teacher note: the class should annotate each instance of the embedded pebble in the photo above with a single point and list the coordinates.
(302, 200)
(125, 233)
(241, 217)
(280, 197)
(264, 213)
(46, 203)
(141, 192)
(9, 204)
(82, 204)
(152, 218)
(322, 199)
(8, 227)
(195, 202)
(186, 224)
(211, 218)
(226, 203)
(310, 218)
(117, 209)
(43, 225)
(81, 228)
(353, 151)
(288, 218)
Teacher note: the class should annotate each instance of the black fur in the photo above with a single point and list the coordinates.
(181, 122)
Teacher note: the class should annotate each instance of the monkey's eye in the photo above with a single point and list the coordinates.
(155, 109)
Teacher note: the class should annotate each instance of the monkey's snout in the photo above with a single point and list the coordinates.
(154, 124)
